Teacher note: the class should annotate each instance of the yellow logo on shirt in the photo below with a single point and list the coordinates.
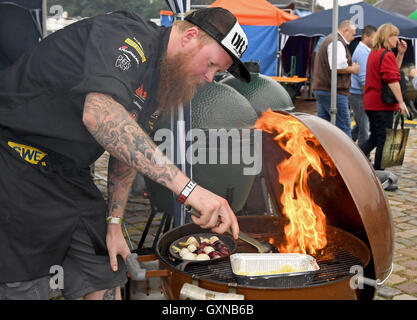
(28, 153)
(138, 47)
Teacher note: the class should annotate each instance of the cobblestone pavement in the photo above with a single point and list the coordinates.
(403, 202)
(402, 284)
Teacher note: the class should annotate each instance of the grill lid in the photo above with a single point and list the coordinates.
(353, 200)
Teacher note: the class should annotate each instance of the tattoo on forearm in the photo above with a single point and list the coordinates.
(120, 178)
(124, 139)
(110, 294)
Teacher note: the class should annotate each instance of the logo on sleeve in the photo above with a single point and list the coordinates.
(137, 46)
(140, 95)
(122, 62)
(124, 49)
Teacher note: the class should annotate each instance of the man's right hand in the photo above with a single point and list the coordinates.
(355, 68)
(215, 212)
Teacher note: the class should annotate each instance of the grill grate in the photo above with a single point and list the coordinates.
(335, 268)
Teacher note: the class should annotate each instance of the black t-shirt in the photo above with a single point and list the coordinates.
(42, 95)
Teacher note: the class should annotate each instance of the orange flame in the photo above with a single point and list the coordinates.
(306, 231)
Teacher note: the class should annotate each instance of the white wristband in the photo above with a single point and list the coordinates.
(114, 220)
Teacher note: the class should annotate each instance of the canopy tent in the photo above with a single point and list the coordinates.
(260, 21)
(320, 24)
(361, 13)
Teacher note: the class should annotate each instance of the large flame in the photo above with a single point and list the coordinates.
(306, 230)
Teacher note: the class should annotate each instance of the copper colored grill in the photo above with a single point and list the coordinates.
(342, 252)
(330, 270)
(359, 227)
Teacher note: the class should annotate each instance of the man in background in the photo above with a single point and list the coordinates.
(322, 75)
(360, 131)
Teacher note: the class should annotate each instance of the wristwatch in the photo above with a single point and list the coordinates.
(114, 220)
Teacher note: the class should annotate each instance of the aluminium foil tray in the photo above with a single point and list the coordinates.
(274, 269)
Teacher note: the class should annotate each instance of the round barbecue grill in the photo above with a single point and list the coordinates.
(359, 229)
(331, 282)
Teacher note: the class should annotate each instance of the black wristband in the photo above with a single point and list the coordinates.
(189, 187)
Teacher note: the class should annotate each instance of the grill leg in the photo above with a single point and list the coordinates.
(147, 227)
(158, 233)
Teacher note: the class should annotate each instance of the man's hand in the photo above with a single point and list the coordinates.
(413, 73)
(215, 212)
(116, 244)
(355, 68)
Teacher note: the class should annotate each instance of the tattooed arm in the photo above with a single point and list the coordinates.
(119, 182)
(113, 128)
(110, 124)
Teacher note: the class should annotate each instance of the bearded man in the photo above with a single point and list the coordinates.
(89, 88)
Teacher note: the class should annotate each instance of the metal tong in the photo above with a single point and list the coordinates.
(262, 247)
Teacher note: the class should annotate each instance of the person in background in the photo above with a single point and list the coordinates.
(322, 75)
(381, 114)
(360, 131)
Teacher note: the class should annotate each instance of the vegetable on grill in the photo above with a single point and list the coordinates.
(206, 249)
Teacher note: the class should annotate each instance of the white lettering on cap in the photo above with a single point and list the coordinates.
(236, 40)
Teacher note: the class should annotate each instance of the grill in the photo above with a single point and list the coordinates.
(359, 223)
(330, 270)
(343, 251)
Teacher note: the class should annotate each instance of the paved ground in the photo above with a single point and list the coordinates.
(402, 285)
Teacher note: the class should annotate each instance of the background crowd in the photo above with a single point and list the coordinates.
(360, 79)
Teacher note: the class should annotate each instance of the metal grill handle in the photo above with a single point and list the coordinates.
(192, 292)
(138, 273)
(376, 283)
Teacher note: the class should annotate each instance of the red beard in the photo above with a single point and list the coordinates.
(176, 85)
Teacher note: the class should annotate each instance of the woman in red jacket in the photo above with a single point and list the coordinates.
(381, 114)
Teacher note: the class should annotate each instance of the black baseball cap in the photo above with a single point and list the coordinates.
(222, 25)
